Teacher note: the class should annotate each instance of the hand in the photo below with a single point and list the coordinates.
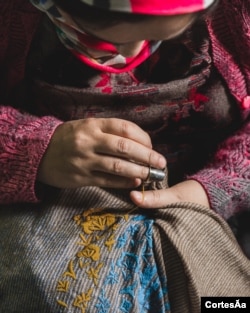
(98, 152)
(187, 191)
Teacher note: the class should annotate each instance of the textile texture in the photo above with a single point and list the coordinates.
(91, 250)
(230, 54)
(184, 117)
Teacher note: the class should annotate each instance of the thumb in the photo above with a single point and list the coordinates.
(187, 191)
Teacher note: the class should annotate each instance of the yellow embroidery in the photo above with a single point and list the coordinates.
(82, 265)
(97, 233)
(93, 273)
(70, 271)
(85, 241)
(97, 223)
(78, 219)
(97, 238)
(91, 251)
(63, 286)
(81, 301)
(61, 303)
(110, 242)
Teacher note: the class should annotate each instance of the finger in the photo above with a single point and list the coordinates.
(113, 181)
(121, 167)
(126, 129)
(129, 149)
(153, 198)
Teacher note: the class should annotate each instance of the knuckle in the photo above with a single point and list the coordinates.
(144, 172)
(122, 146)
(77, 141)
(151, 157)
(117, 166)
(125, 128)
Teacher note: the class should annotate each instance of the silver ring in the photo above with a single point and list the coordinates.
(155, 175)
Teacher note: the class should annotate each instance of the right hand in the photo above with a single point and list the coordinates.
(98, 152)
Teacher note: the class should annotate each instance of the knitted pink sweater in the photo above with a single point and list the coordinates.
(24, 138)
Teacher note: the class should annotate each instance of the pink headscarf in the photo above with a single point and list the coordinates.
(153, 7)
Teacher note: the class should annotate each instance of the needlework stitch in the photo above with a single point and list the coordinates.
(112, 250)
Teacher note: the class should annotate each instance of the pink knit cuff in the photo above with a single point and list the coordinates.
(224, 199)
(23, 141)
(227, 178)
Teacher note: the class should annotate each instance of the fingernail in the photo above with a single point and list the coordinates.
(138, 196)
(162, 162)
(137, 182)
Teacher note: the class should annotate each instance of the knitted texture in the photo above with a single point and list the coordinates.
(154, 107)
(23, 140)
(229, 32)
(227, 178)
(230, 46)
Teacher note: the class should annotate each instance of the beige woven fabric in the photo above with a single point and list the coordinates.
(201, 256)
(193, 247)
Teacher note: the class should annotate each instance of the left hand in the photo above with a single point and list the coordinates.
(186, 191)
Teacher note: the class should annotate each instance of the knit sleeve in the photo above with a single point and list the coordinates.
(227, 178)
(23, 141)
